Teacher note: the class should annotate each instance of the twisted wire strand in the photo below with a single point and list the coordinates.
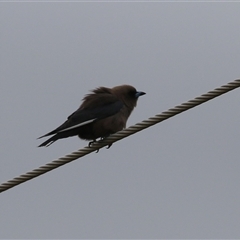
(120, 135)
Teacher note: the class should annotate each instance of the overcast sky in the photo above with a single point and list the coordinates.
(178, 179)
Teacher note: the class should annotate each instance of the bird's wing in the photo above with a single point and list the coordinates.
(98, 110)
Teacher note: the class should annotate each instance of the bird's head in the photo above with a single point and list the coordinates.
(128, 94)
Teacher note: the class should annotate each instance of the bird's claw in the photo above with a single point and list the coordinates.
(92, 142)
(102, 138)
(109, 146)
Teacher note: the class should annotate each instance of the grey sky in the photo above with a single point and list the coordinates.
(178, 179)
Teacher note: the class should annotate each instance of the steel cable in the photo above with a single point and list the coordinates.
(120, 135)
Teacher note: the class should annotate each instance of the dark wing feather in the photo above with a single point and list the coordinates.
(100, 109)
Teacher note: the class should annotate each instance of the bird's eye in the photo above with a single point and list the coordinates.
(132, 93)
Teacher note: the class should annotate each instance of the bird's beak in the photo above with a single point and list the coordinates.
(138, 94)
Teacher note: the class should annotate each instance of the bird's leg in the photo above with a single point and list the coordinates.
(102, 138)
(90, 143)
(94, 140)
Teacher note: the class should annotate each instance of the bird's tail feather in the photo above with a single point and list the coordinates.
(49, 141)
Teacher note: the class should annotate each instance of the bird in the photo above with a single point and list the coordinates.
(103, 112)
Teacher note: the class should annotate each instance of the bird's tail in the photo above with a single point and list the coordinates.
(49, 141)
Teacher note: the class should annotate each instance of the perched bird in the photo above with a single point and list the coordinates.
(103, 112)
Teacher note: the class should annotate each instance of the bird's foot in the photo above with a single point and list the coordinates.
(102, 138)
(90, 143)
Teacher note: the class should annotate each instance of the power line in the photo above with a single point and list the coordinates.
(120, 135)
